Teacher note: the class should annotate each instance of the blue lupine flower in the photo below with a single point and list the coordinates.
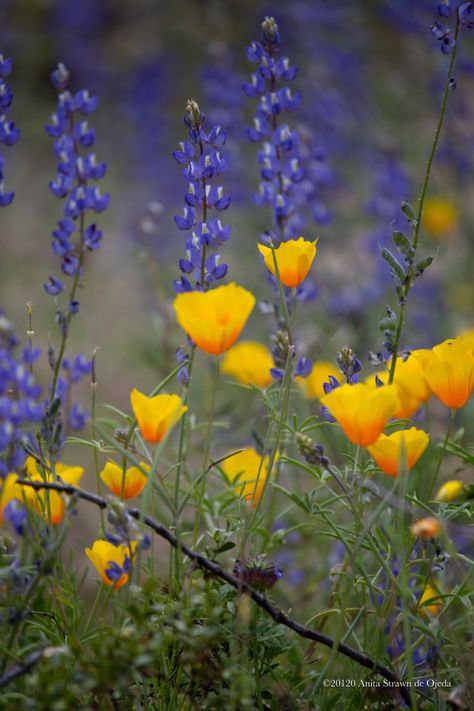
(444, 35)
(466, 15)
(349, 365)
(281, 165)
(201, 162)
(15, 514)
(9, 133)
(19, 395)
(77, 169)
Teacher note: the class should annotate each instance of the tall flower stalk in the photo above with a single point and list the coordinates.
(76, 234)
(202, 162)
(405, 276)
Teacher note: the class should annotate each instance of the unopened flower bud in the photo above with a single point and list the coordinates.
(311, 452)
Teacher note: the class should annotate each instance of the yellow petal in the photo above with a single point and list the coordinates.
(249, 362)
(294, 259)
(133, 481)
(319, 375)
(247, 472)
(450, 491)
(362, 411)
(156, 415)
(214, 319)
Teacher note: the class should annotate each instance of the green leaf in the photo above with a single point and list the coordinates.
(403, 244)
(408, 209)
(421, 266)
(387, 324)
(227, 546)
(466, 455)
(396, 268)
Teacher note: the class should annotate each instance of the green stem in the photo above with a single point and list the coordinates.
(283, 303)
(207, 446)
(94, 435)
(72, 295)
(421, 203)
(283, 395)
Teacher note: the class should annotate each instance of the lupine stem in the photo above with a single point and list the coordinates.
(284, 395)
(207, 445)
(68, 318)
(421, 202)
(94, 433)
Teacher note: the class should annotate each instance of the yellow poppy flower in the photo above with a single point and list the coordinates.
(241, 471)
(450, 491)
(467, 337)
(111, 562)
(294, 259)
(9, 490)
(50, 504)
(156, 415)
(362, 411)
(249, 362)
(411, 385)
(214, 319)
(128, 486)
(426, 528)
(440, 217)
(390, 451)
(320, 372)
(449, 370)
(428, 593)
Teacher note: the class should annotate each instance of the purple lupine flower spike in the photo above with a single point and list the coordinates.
(202, 162)
(78, 171)
(19, 398)
(9, 133)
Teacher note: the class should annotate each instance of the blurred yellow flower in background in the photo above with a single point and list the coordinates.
(214, 319)
(294, 259)
(9, 490)
(156, 415)
(242, 472)
(428, 593)
(249, 362)
(111, 562)
(362, 411)
(440, 217)
(126, 485)
(450, 491)
(403, 448)
(320, 372)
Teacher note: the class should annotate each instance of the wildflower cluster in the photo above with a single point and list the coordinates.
(202, 162)
(279, 158)
(77, 169)
(19, 397)
(464, 18)
(9, 133)
(314, 494)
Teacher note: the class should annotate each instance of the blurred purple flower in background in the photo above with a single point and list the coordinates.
(19, 398)
(9, 133)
